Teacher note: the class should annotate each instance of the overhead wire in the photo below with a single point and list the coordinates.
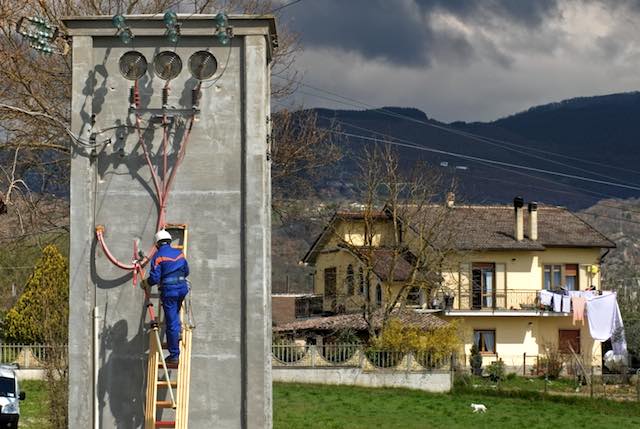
(594, 193)
(496, 144)
(284, 6)
(360, 104)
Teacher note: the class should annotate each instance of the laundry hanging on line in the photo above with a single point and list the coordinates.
(605, 322)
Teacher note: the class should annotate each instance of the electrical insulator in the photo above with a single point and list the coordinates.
(223, 38)
(221, 19)
(195, 98)
(170, 19)
(132, 97)
(165, 97)
(118, 21)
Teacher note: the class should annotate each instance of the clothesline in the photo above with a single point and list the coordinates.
(603, 315)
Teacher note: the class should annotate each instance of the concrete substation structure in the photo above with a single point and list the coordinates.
(222, 191)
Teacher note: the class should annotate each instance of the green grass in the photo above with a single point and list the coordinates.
(331, 407)
(312, 406)
(33, 410)
(526, 383)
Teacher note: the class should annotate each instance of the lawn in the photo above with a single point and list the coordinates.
(298, 406)
(312, 406)
(33, 410)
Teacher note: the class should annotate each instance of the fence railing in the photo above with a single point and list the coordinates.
(497, 299)
(356, 356)
(29, 356)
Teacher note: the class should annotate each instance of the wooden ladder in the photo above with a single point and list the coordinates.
(163, 378)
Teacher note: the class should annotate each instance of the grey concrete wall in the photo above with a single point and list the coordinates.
(222, 191)
(437, 381)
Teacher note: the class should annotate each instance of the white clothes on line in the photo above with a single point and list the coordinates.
(588, 294)
(602, 313)
(566, 304)
(557, 302)
(545, 297)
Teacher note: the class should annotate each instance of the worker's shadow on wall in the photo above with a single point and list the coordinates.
(121, 377)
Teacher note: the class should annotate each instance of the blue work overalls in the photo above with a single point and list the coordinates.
(169, 270)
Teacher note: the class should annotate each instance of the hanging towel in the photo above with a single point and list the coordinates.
(602, 312)
(578, 309)
(557, 302)
(545, 297)
(566, 304)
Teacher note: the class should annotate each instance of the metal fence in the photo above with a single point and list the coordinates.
(29, 356)
(496, 299)
(355, 355)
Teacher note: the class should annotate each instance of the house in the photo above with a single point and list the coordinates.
(498, 260)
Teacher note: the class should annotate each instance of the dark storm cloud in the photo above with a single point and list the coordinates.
(526, 12)
(401, 31)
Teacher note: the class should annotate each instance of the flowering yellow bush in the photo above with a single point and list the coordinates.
(440, 343)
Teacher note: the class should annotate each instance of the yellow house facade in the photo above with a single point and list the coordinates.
(505, 256)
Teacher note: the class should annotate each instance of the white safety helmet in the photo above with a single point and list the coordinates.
(162, 235)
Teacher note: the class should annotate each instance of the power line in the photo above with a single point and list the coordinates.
(599, 194)
(492, 161)
(361, 104)
(291, 3)
(501, 146)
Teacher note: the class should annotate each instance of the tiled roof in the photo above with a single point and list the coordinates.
(492, 228)
(383, 261)
(487, 227)
(424, 321)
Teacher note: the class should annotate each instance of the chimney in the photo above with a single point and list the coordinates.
(533, 220)
(451, 199)
(518, 203)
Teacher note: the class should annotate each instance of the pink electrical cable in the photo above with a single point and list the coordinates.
(162, 194)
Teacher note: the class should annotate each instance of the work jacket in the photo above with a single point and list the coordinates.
(169, 268)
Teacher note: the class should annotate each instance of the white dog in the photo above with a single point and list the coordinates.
(479, 408)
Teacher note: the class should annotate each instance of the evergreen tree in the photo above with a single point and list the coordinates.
(41, 314)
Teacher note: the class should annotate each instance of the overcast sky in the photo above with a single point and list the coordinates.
(465, 59)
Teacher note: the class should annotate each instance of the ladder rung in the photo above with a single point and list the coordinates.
(164, 404)
(169, 365)
(165, 424)
(165, 384)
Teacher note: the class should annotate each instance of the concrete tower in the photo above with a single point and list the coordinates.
(221, 190)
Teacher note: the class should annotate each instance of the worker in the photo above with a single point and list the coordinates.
(169, 270)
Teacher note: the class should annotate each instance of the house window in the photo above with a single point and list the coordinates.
(558, 275)
(483, 286)
(568, 340)
(414, 295)
(350, 280)
(571, 276)
(485, 340)
(361, 281)
(330, 287)
(378, 295)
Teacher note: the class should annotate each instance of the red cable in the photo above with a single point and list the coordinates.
(137, 266)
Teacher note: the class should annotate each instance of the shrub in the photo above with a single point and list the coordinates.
(551, 363)
(475, 360)
(496, 370)
(439, 343)
(461, 381)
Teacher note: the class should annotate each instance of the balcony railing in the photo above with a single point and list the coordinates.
(469, 299)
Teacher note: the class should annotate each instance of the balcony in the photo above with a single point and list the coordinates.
(517, 300)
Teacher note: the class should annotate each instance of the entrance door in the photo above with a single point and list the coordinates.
(569, 339)
(330, 288)
(483, 286)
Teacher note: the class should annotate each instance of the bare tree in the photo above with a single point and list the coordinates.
(403, 237)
